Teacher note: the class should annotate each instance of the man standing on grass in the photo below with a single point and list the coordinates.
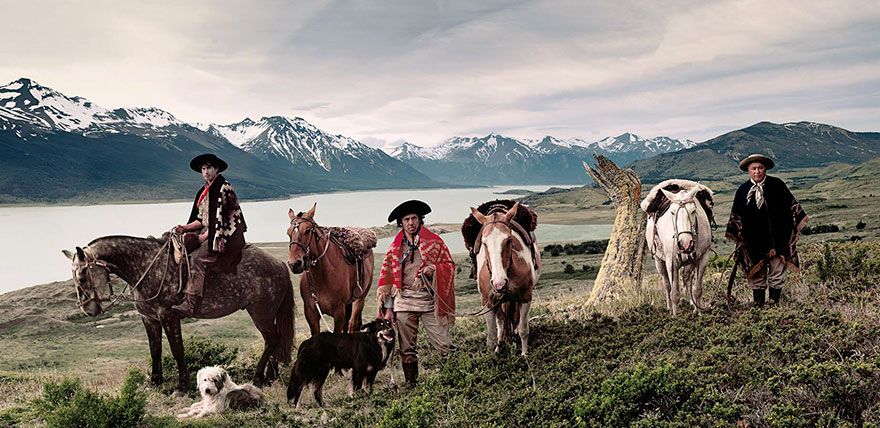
(765, 222)
(417, 284)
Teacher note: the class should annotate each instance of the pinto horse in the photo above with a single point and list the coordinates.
(261, 286)
(681, 238)
(329, 284)
(507, 272)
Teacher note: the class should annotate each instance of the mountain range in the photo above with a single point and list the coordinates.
(498, 159)
(54, 147)
(59, 148)
(791, 145)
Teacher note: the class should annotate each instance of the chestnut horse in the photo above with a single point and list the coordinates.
(261, 286)
(329, 284)
(507, 272)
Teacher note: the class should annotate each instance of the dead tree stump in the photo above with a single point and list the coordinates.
(622, 264)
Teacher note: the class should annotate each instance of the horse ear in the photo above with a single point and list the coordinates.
(67, 254)
(511, 213)
(291, 213)
(80, 254)
(310, 214)
(478, 215)
(668, 194)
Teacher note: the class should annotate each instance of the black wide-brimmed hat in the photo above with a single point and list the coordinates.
(409, 207)
(210, 159)
(755, 157)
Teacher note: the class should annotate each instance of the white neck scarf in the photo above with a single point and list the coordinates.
(756, 192)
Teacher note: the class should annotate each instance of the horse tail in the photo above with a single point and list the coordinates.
(284, 324)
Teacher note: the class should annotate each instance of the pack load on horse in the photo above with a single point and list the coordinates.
(500, 237)
(679, 236)
(526, 220)
(156, 280)
(336, 264)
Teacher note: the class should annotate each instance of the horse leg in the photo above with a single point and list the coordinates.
(697, 285)
(154, 335)
(340, 322)
(175, 340)
(355, 319)
(500, 315)
(664, 279)
(491, 331)
(522, 327)
(313, 318)
(674, 296)
(265, 323)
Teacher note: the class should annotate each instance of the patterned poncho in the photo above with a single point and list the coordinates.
(225, 222)
(433, 252)
(775, 225)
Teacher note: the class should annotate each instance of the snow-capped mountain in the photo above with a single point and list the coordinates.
(493, 158)
(28, 103)
(75, 147)
(296, 142)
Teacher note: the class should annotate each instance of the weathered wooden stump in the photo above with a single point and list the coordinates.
(622, 264)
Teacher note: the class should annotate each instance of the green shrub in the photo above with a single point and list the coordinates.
(415, 412)
(68, 404)
(202, 352)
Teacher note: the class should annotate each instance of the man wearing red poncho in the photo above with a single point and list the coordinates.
(417, 284)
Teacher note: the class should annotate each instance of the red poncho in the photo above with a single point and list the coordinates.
(433, 252)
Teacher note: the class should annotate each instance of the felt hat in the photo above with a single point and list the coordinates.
(210, 159)
(755, 157)
(409, 207)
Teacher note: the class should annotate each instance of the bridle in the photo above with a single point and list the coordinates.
(482, 244)
(114, 299)
(675, 207)
(313, 235)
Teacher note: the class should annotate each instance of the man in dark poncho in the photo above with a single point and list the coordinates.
(765, 222)
(216, 218)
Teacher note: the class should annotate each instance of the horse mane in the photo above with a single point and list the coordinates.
(134, 238)
(525, 216)
(656, 204)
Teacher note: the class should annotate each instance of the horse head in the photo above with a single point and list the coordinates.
(90, 276)
(499, 244)
(683, 210)
(302, 232)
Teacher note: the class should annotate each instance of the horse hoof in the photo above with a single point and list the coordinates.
(178, 394)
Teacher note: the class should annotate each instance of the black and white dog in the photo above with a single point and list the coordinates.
(365, 353)
(219, 393)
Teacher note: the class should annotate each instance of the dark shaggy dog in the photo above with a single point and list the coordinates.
(365, 353)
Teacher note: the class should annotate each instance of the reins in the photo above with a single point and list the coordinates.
(117, 298)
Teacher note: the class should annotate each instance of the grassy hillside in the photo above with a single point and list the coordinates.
(813, 360)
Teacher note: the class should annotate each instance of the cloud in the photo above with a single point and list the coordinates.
(428, 71)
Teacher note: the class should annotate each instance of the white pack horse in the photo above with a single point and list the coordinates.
(680, 238)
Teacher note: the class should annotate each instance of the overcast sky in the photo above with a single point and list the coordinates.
(427, 71)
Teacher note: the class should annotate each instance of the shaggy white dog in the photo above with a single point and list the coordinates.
(219, 393)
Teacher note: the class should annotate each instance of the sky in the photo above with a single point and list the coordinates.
(426, 71)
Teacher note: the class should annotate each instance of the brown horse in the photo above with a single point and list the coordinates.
(329, 283)
(261, 286)
(507, 271)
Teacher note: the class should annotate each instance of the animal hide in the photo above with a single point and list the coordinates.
(470, 228)
(356, 242)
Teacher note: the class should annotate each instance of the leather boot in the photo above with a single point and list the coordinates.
(193, 292)
(759, 296)
(411, 373)
(775, 294)
(189, 305)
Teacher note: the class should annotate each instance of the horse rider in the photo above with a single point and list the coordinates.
(765, 222)
(417, 284)
(219, 223)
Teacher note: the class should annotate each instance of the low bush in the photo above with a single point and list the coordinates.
(202, 352)
(69, 404)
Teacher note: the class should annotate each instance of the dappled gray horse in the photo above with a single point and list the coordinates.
(261, 286)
